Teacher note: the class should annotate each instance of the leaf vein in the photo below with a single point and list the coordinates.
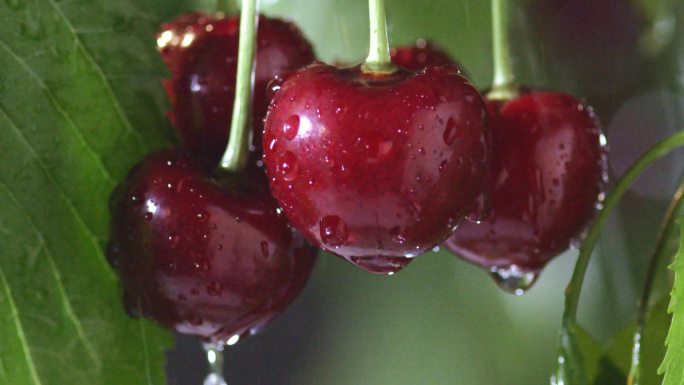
(71, 315)
(110, 91)
(60, 190)
(58, 107)
(20, 329)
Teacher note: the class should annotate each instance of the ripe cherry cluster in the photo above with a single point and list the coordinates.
(376, 163)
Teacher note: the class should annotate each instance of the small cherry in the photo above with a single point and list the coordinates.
(207, 253)
(201, 53)
(375, 163)
(420, 55)
(547, 174)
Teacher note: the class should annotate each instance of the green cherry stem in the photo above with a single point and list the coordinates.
(572, 292)
(503, 86)
(665, 235)
(378, 60)
(235, 156)
(227, 7)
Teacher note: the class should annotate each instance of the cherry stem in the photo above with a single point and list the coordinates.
(503, 86)
(665, 235)
(227, 7)
(572, 292)
(378, 60)
(235, 157)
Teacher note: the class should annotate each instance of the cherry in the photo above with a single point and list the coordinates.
(201, 53)
(375, 168)
(203, 254)
(420, 55)
(548, 171)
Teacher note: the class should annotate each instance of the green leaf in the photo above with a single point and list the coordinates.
(652, 345)
(673, 363)
(80, 103)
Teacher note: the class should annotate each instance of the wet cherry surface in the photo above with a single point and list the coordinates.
(203, 255)
(376, 169)
(420, 55)
(201, 52)
(548, 171)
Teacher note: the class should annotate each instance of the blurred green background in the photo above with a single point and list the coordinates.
(441, 320)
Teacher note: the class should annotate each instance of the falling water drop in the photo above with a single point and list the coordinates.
(513, 280)
(215, 360)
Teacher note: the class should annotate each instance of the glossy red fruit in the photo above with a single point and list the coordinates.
(201, 52)
(376, 169)
(547, 176)
(203, 255)
(420, 55)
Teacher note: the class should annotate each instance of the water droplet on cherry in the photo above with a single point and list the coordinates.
(333, 231)
(451, 132)
(214, 289)
(397, 235)
(264, 249)
(288, 166)
(291, 127)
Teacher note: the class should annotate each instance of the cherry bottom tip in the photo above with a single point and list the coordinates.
(381, 265)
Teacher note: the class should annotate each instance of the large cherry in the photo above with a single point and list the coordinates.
(201, 52)
(375, 168)
(547, 175)
(204, 255)
(420, 55)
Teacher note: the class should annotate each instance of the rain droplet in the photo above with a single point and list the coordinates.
(288, 166)
(291, 127)
(397, 235)
(214, 289)
(202, 217)
(451, 132)
(513, 280)
(481, 209)
(333, 231)
(202, 264)
(173, 239)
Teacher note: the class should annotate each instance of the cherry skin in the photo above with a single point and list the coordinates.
(548, 171)
(376, 169)
(201, 254)
(420, 55)
(201, 53)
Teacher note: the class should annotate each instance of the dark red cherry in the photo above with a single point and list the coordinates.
(376, 169)
(548, 172)
(201, 52)
(204, 255)
(420, 55)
